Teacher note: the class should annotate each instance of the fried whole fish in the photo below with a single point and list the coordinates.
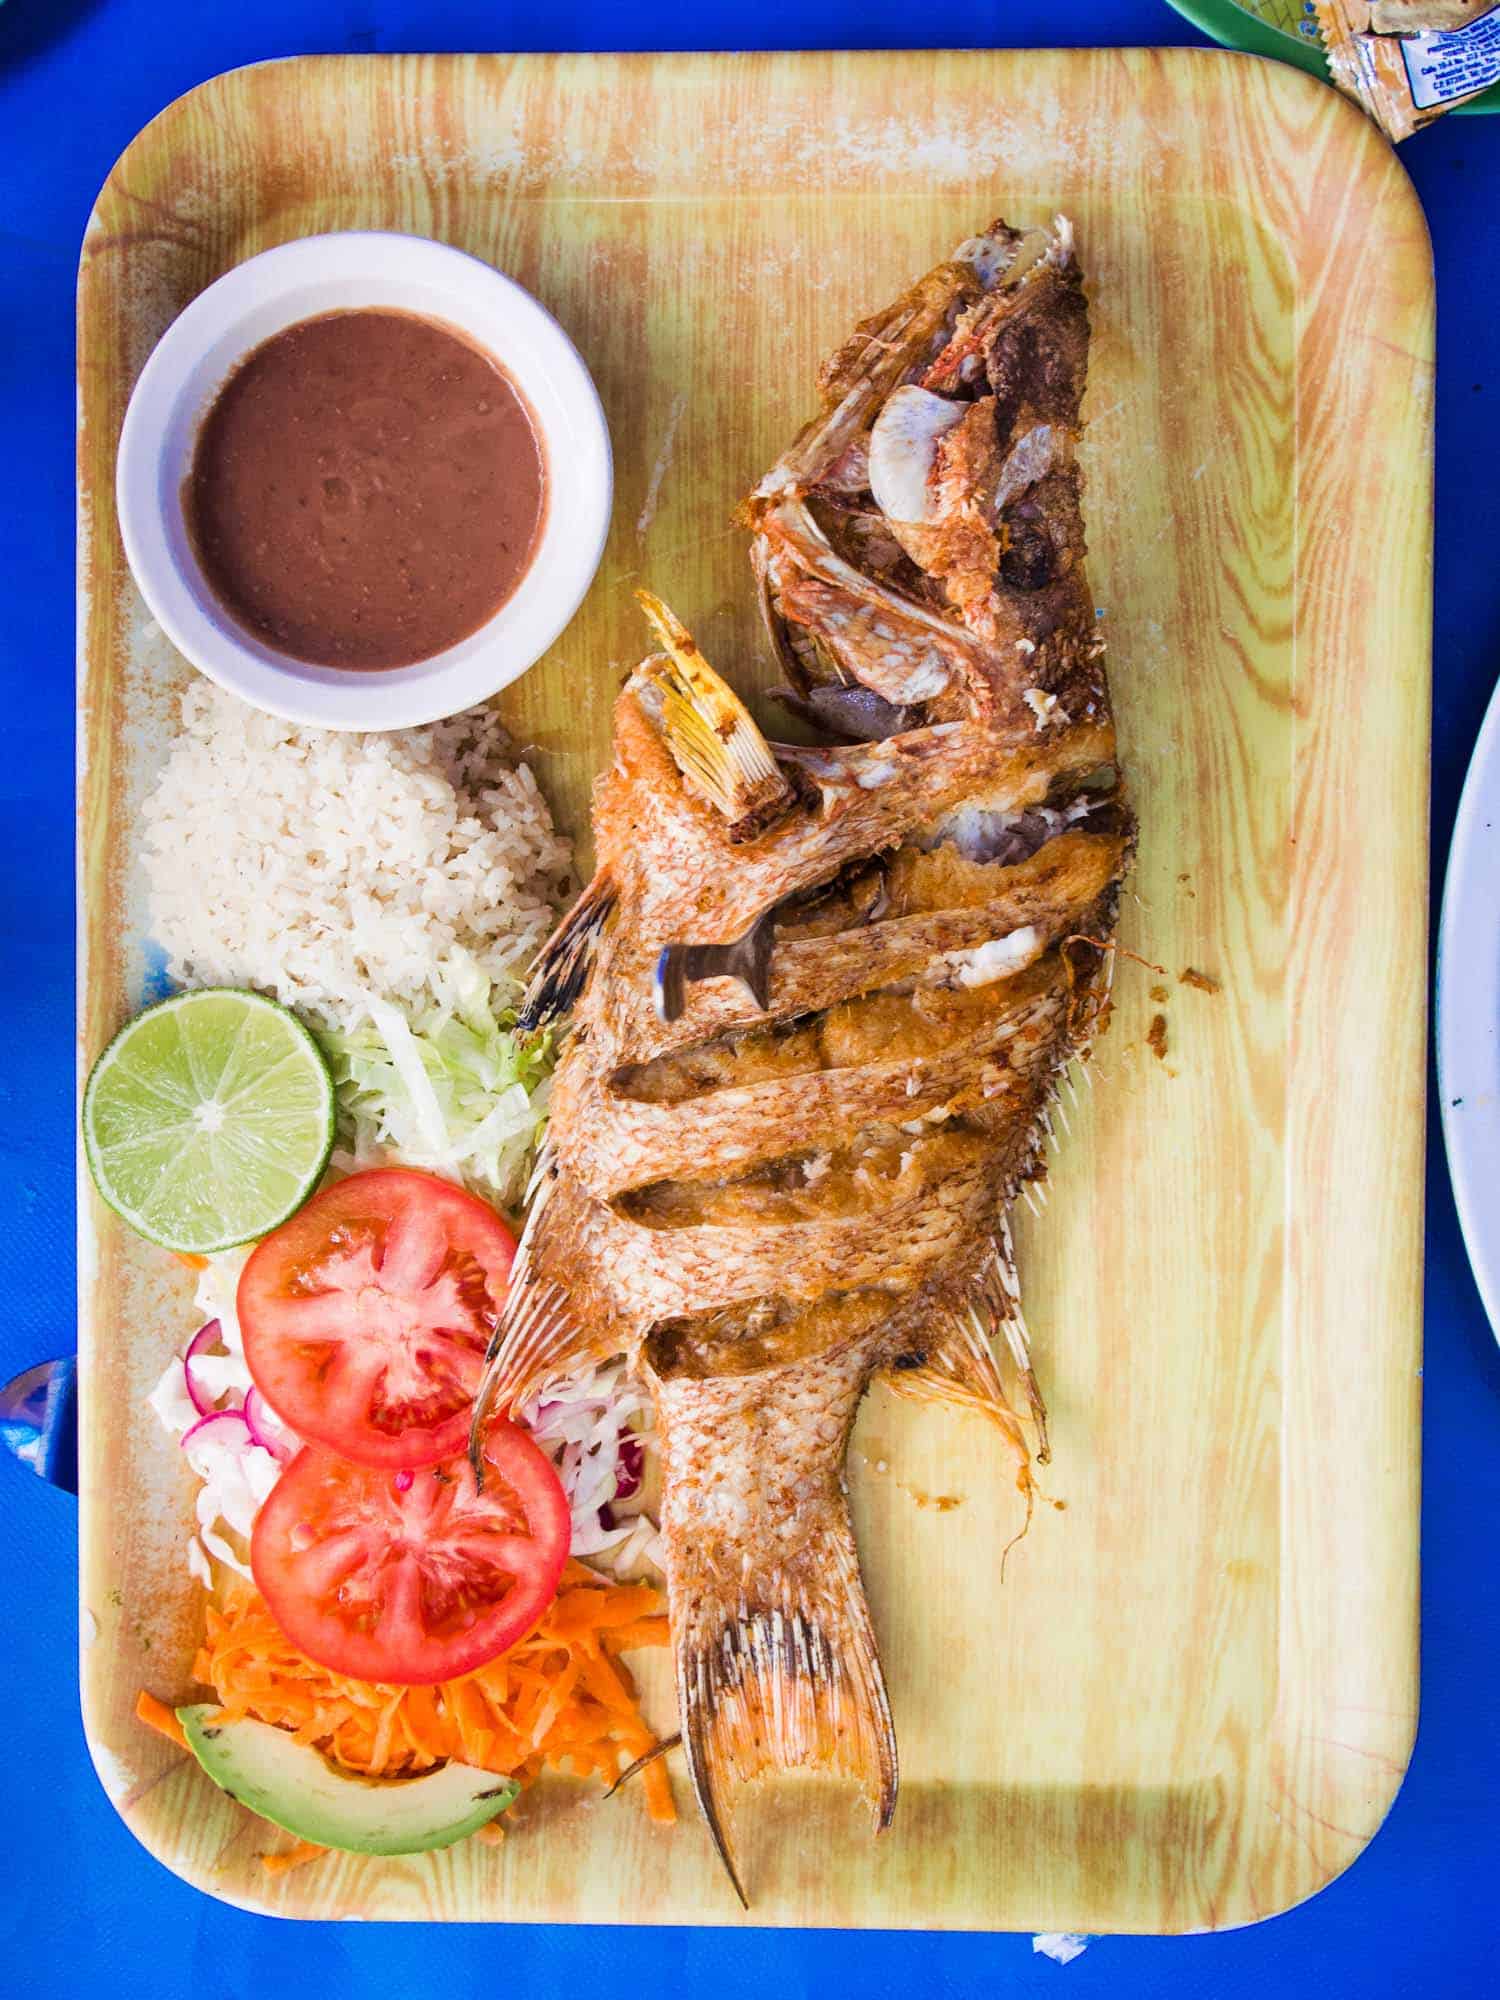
(824, 995)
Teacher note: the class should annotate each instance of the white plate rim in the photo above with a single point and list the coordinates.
(1468, 1011)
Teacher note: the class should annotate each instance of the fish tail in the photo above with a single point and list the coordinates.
(789, 1680)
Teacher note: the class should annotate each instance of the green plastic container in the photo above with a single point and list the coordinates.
(1285, 29)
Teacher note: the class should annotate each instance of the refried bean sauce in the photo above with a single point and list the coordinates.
(366, 490)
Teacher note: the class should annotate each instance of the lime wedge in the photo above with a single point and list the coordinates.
(209, 1119)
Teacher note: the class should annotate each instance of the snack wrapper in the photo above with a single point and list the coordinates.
(1409, 61)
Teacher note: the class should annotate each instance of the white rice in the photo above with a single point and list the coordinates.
(320, 865)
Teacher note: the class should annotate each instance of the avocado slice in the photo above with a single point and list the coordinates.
(294, 1787)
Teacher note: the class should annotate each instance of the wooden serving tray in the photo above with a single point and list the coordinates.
(1192, 1697)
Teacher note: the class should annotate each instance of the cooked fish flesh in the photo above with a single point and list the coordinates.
(824, 994)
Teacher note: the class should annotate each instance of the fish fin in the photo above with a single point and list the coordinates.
(711, 734)
(565, 961)
(539, 1336)
(960, 1364)
(538, 1341)
(959, 1367)
(1000, 1300)
(792, 1679)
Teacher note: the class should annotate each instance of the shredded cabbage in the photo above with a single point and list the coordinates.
(448, 1086)
(581, 1425)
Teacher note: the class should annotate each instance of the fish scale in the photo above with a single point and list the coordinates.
(766, 1182)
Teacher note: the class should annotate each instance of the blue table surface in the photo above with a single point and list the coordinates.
(80, 1903)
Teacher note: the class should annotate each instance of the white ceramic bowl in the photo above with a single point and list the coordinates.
(335, 273)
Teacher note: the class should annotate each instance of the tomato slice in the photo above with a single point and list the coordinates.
(412, 1577)
(366, 1317)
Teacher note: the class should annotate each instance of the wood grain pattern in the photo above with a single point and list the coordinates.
(1193, 1698)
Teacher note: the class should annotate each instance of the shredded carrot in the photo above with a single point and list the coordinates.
(156, 1715)
(191, 1258)
(281, 1864)
(640, 1632)
(658, 1783)
(561, 1699)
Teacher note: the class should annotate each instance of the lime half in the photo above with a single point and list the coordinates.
(209, 1119)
